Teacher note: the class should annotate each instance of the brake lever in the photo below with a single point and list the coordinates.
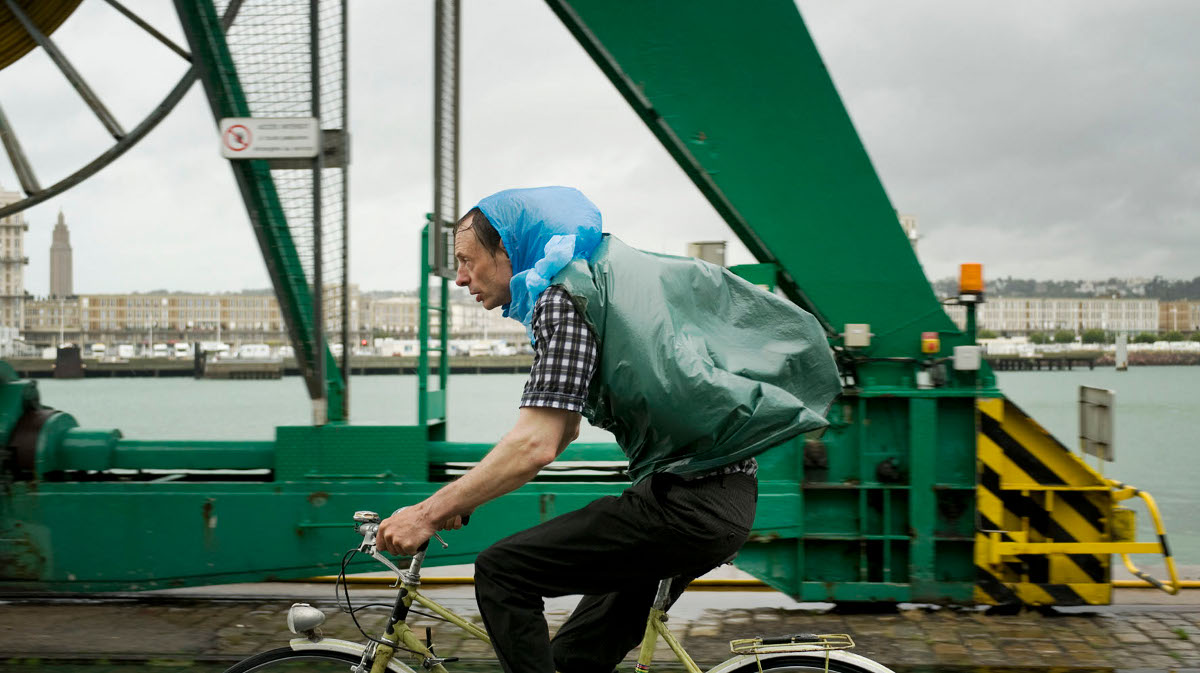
(368, 547)
(384, 560)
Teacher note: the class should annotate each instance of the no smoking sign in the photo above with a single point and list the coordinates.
(270, 137)
(237, 138)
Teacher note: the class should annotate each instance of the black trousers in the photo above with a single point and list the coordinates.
(614, 551)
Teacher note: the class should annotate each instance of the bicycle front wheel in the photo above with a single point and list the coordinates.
(287, 660)
(812, 663)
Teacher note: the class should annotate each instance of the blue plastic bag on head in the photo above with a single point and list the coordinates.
(542, 229)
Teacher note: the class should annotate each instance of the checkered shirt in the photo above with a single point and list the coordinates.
(565, 353)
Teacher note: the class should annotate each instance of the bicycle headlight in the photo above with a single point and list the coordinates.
(303, 618)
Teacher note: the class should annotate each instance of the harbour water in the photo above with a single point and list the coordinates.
(184, 408)
(1157, 438)
(1157, 419)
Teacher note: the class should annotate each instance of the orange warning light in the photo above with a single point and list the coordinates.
(970, 279)
(930, 343)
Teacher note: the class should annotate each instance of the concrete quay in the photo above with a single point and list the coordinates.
(223, 624)
(227, 368)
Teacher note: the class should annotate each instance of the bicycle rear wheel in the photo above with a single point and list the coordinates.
(287, 660)
(812, 663)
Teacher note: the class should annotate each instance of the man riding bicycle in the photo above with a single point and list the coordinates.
(692, 369)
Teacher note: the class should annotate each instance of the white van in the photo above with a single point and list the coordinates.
(214, 347)
(160, 350)
(253, 352)
(182, 350)
(98, 350)
(125, 351)
(396, 347)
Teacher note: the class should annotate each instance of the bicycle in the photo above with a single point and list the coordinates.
(310, 650)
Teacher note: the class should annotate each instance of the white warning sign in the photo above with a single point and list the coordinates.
(270, 137)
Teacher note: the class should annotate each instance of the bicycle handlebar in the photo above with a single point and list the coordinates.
(368, 526)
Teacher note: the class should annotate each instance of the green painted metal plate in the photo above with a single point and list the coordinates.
(340, 452)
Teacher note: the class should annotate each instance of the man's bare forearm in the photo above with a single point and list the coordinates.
(507, 467)
(534, 442)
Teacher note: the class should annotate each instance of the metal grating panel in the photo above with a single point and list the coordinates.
(271, 45)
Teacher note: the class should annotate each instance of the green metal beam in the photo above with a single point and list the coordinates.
(216, 70)
(922, 503)
(460, 452)
(739, 96)
(432, 409)
(193, 455)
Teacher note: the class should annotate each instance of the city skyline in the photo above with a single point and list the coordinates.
(61, 271)
(1052, 143)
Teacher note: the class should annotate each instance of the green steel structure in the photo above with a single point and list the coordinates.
(882, 507)
(431, 396)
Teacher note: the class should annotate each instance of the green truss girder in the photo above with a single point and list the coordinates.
(216, 69)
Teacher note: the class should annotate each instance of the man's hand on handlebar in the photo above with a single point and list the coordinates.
(406, 530)
(403, 532)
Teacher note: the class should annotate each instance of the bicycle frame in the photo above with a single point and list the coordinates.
(656, 626)
(751, 649)
(399, 635)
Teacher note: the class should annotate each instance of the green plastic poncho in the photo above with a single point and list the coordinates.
(698, 368)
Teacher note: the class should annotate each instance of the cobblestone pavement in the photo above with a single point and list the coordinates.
(1128, 637)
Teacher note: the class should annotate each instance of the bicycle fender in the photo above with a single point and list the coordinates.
(867, 665)
(344, 646)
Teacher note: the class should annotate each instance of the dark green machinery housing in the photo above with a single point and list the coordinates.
(891, 503)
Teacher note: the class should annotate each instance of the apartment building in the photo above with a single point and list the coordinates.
(145, 318)
(1017, 315)
(1179, 316)
(12, 263)
(153, 318)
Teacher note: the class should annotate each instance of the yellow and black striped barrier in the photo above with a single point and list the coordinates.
(1125, 528)
(1048, 522)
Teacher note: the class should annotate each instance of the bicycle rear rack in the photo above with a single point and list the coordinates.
(799, 642)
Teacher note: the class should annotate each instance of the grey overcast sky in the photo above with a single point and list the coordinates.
(1048, 140)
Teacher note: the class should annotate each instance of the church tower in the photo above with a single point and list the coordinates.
(61, 279)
